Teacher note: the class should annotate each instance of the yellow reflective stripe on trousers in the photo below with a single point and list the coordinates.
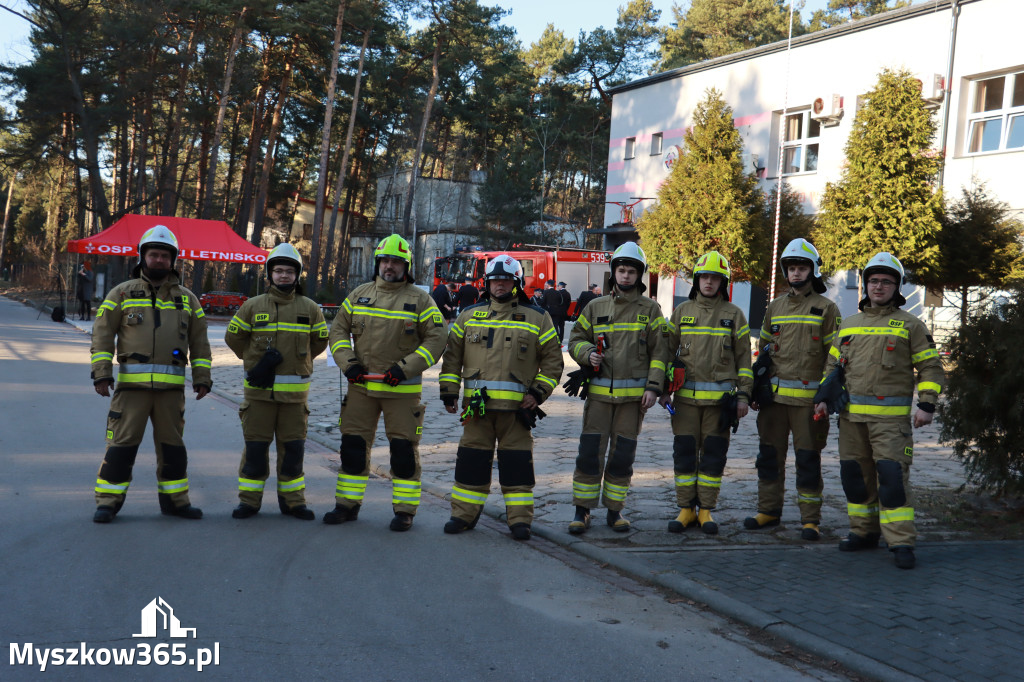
(585, 491)
(179, 486)
(518, 499)
(615, 492)
(351, 487)
(250, 485)
(684, 480)
(709, 481)
(404, 491)
(111, 488)
(866, 510)
(808, 498)
(896, 515)
(463, 495)
(292, 485)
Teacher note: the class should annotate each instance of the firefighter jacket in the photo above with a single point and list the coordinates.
(154, 331)
(509, 348)
(636, 335)
(881, 348)
(798, 331)
(711, 337)
(291, 323)
(382, 324)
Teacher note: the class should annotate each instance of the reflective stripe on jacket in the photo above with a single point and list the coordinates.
(799, 329)
(637, 336)
(884, 348)
(154, 332)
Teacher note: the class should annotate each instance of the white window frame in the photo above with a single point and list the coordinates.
(801, 143)
(657, 143)
(630, 148)
(1006, 116)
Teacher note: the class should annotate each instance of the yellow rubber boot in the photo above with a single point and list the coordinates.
(707, 524)
(810, 532)
(687, 517)
(760, 521)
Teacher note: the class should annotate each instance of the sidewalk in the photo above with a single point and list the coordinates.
(958, 616)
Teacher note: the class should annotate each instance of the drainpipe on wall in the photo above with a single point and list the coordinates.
(955, 7)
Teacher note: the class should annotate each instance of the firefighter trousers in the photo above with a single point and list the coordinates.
(774, 424)
(473, 463)
(403, 426)
(611, 428)
(699, 449)
(264, 421)
(129, 413)
(874, 465)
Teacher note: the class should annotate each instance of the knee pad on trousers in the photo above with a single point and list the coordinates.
(403, 458)
(852, 477)
(767, 462)
(118, 463)
(684, 453)
(515, 467)
(621, 462)
(808, 468)
(715, 450)
(587, 459)
(353, 454)
(473, 466)
(255, 465)
(891, 493)
(294, 451)
(175, 462)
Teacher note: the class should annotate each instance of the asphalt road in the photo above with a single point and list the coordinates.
(278, 597)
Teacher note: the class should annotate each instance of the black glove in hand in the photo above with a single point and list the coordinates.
(355, 373)
(394, 376)
(579, 382)
(262, 375)
(449, 399)
(529, 417)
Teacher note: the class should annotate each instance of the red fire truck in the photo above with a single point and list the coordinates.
(578, 268)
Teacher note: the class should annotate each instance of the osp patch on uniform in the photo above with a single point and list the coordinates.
(419, 430)
(363, 300)
(687, 319)
(519, 317)
(896, 323)
(908, 451)
(261, 317)
(726, 322)
(643, 319)
(438, 320)
(479, 313)
(233, 328)
(323, 333)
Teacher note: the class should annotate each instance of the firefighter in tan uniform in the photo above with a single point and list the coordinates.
(709, 337)
(796, 335)
(277, 335)
(507, 353)
(386, 334)
(622, 338)
(155, 327)
(879, 350)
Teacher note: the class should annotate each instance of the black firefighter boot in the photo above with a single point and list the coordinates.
(581, 522)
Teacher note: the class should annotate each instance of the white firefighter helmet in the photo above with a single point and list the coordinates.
(158, 236)
(504, 266)
(886, 262)
(286, 254)
(630, 254)
(801, 249)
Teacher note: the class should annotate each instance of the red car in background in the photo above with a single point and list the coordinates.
(222, 301)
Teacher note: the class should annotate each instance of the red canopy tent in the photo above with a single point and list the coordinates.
(197, 239)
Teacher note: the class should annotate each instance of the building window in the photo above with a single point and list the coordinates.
(657, 139)
(851, 280)
(355, 262)
(630, 147)
(996, 119)
(307, 231)
(800, 143)
(396, 207)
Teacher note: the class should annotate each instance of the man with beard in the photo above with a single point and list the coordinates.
(156, 327)
(277, 335)
(386, 334)
(796, 334)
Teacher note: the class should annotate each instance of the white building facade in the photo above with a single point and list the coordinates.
(968, 55)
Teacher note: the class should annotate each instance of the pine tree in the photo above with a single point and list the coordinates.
(885, 199)
(708, 202)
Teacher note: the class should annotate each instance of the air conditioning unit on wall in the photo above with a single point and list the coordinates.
(933, 90)
(827, 110)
